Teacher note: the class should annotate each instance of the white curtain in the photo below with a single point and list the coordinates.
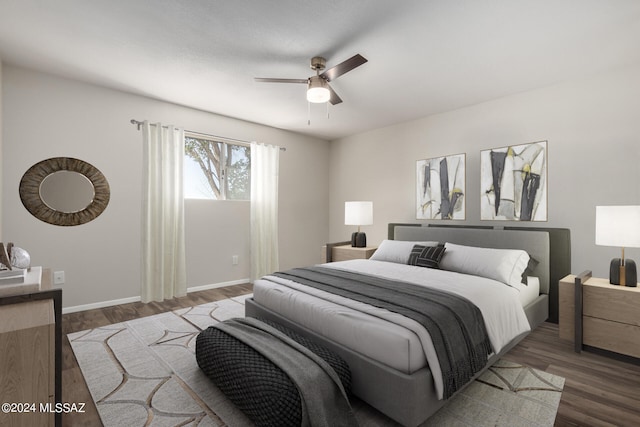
(264, 209)
(163, 246)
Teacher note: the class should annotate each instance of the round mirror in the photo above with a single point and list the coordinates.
(64, 191)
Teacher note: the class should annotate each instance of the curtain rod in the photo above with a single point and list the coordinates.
(224, 138)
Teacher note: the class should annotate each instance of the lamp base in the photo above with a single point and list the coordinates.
(625, 275)
(358, 240)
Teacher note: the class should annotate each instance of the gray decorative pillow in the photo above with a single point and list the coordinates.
(533, 263)
(426, 256)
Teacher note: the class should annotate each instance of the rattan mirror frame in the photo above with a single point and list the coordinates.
(31, 199)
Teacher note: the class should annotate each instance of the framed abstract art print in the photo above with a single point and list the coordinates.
(440, 188)
(513, 182)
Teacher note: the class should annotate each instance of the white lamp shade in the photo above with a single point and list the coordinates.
(358, 213)
(318, 91)
(618, 226)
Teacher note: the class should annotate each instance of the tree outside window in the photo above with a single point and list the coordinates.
(216, 169)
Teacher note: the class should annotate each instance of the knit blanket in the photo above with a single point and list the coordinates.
(323, 398)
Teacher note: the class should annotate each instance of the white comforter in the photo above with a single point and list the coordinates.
(500, 305)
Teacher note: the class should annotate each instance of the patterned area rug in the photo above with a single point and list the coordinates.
(144, 372)
(507, 394)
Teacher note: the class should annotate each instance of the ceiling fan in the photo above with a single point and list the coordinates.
(318, 89)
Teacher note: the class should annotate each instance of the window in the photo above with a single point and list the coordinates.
(215, 169)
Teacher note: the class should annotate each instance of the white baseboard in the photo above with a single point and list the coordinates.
(217, 285)
(103, 304)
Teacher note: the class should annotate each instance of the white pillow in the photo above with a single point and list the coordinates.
(503, 265)
(397, 250)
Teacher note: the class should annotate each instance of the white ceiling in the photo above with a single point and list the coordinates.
(425, 56)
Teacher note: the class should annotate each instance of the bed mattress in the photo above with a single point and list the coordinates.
(364, 332)
(394, 340)
(529, 292)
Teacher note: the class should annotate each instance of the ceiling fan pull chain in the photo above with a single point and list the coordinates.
(327, 104)
(308, 113)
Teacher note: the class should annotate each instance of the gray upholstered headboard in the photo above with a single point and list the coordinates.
(550, 247)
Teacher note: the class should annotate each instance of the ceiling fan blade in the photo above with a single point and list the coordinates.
(344, 67)
(335, 99)
(270, 80)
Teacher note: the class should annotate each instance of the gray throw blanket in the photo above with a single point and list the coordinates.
(324, 400)
(455, 324)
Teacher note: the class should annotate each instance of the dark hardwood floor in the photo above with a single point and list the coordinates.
(599, 390)
(74, 388)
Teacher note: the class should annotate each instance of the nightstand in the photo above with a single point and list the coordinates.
(610, 315)
(347, 252)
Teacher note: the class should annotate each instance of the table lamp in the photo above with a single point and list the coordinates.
(619, 226)
(358, 213)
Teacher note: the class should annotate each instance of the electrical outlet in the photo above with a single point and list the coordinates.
(234, 260)
(58, 277)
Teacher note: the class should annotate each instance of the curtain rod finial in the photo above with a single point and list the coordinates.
(137, 123)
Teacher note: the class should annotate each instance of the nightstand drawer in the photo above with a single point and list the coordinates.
(613, 336)
(610, 302)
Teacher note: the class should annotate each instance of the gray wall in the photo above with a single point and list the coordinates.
(46, 116)
(593, 135)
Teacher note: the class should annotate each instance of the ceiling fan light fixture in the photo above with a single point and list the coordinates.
(318, 90)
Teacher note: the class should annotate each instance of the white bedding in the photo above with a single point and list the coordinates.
(529, 292)
(394, 340)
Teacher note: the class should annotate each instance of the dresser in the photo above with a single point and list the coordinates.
(31, 356)
(610, 315)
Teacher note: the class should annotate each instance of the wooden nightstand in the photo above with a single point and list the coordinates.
(610, 315)
(347, 252)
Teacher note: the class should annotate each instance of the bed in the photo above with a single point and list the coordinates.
(392, 365)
